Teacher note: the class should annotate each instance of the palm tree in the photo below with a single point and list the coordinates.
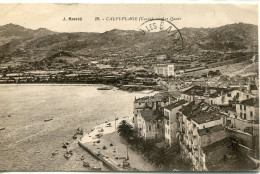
(125, 129)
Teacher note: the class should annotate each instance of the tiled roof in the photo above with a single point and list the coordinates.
(209, 130)
(186, 110)
(213, 91)
(175, 104)
(195, 90)
(251, 102)
(201, 112)
(144, 99)
(204, 117)
(149, 115)
(218, 144)
(227, 108)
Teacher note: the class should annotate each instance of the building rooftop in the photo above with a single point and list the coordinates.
(175, 104)
(175, 94)
(234, 161)
(212, 91)
(143, 99)
(201, 112)
(216, 145)
(149, 115)
(251, 102)
(227, 108)
(207, 116)
(210, 130)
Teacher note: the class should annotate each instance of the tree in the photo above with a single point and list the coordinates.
(166, 157)
(137, 140)
(125, 129)
(148, 147)
(162, 159)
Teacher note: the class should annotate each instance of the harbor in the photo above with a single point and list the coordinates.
(105, 144)
(34, 144)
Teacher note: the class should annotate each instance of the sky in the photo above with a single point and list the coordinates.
(51, 16)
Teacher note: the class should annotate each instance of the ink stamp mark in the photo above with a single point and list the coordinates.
(162, 25)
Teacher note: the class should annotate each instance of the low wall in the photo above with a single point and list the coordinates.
(97, 156)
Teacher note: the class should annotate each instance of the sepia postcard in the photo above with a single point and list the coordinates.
(129, 87)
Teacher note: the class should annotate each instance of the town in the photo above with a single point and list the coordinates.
(205, 124)
(216, 128)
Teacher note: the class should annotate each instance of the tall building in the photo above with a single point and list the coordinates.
(165, 69)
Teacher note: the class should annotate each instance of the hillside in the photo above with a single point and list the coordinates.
(19, 45)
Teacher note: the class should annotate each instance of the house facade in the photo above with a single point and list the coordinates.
(150, 124)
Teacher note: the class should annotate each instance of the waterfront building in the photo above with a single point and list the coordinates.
(150, 124)
(200, 125)
(144, 103)
(158, 101)
(170, 120)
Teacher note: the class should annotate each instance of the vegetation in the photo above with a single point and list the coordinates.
(125, 130)
(164, 159)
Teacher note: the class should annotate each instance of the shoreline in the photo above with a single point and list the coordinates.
(113, 156)
(145, 91)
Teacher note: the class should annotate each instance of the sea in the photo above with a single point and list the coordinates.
(27, 142)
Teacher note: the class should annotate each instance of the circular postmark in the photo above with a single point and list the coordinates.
(162, 25)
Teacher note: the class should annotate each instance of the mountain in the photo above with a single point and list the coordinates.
(19, 45)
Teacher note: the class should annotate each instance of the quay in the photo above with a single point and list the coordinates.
(106, 162)
(105, 144)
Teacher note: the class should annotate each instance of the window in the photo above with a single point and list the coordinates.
(244, 116)
(251, 114)
(241, 107)
(244, 107)
(240, 115)
(149, 128)
(229, 95)
(139, 103)
(167, 122)
(247, 96)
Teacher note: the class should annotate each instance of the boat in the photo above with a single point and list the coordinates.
(79, 131)
(54, 153)
(99, 135)
(96, 168)
(2, 128)
(104, 88)
(64, 145)
(85, 164)
(49, 119)
(68, 142)
(75, 136)
(68, 154)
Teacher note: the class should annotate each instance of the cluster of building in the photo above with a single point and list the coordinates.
(216, 128)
